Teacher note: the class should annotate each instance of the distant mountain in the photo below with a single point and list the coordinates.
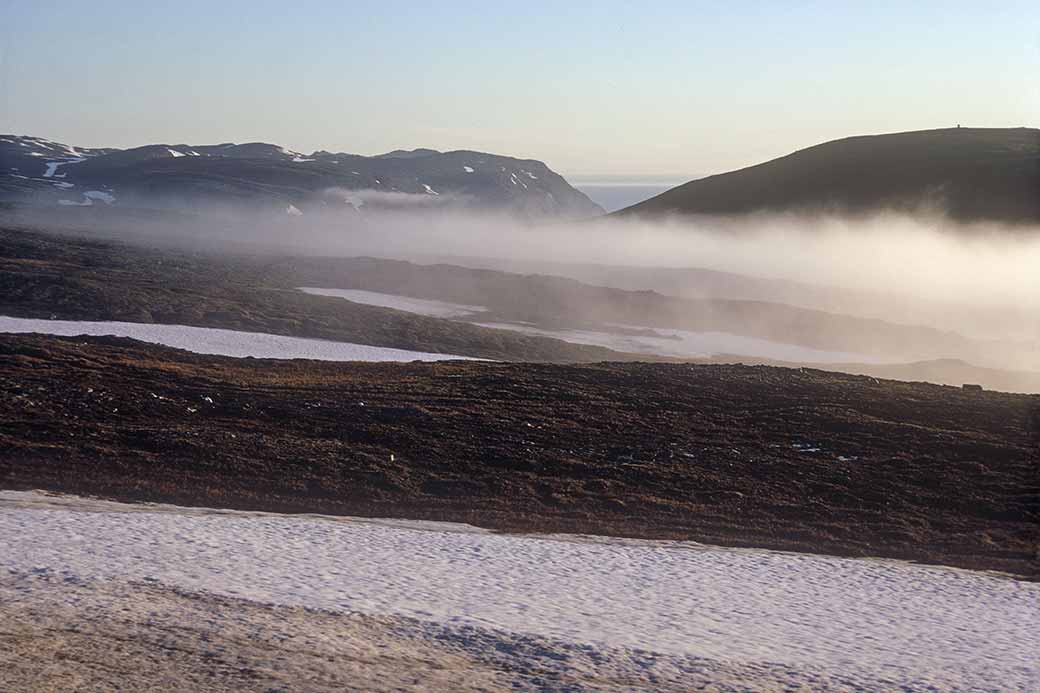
(264, 176)
(404, 154)
(972, 174)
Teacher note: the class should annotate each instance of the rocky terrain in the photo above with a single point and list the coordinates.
(729, 455)
(268, 178)
(971, 174)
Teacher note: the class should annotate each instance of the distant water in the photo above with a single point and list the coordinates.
(615, 195)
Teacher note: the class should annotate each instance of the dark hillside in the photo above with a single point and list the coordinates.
(731, 455)
(974, 174)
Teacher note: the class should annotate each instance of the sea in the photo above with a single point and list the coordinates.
(613, 195)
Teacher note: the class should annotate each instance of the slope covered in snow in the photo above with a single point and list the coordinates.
(419, 306)
(208, 340)
(876, 623)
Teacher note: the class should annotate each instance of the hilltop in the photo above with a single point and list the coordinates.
(972, 174)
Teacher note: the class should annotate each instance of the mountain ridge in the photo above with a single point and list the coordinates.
(42, 172)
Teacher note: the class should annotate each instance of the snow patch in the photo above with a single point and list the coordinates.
(208, 340)
(420, 306)
(53, 166)
(428, 189)
(467, 169)
(904, 626)
(175, 154)
(107, 198)
(293, 211)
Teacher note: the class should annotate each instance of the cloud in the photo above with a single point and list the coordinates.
(925, 269)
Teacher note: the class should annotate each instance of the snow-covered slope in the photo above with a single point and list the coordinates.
(876, 624)
(208, 340)
(34, 169)
(419, 306)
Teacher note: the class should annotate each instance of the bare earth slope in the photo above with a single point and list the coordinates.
(730, 455)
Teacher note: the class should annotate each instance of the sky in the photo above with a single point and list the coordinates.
(666, 89)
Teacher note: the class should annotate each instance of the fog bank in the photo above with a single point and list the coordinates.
(989, 271)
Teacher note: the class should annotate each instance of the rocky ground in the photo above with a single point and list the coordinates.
(730, 455)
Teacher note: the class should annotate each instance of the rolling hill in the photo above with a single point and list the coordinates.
(972, 174)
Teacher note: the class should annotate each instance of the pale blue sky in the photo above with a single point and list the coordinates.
(655, 88)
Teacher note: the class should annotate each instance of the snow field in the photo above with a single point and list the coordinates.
(890, 622)
(419, 306)
(208, 340)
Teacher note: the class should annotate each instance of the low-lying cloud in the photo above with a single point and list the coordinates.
(980, 280)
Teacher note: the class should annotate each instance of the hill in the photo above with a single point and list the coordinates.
(264, 176)
(973, 174)
(789, 459)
